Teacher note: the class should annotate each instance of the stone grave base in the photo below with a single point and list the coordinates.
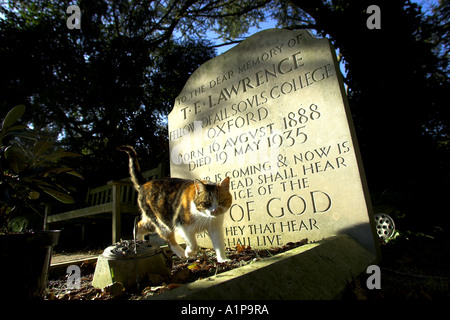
(128, 271)
(317, 271)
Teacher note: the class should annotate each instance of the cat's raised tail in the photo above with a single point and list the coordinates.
(135, 171)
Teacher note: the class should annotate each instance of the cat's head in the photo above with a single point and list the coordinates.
(212, 199)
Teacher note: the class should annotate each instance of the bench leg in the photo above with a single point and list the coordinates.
(116, 214)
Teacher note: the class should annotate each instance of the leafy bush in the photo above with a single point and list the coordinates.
(30, 169)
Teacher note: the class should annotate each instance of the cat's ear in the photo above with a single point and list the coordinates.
(225, 184)
(199, 186)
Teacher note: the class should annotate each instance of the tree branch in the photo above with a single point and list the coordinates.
(226, 43)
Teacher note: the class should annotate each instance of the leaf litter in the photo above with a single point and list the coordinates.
(182, 271)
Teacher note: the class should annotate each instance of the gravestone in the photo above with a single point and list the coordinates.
(272, 114)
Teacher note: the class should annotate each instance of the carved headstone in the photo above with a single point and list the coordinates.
(272, 115)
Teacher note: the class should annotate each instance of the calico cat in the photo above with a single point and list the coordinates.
(186, 206)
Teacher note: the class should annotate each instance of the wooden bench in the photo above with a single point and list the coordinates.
(115, 198)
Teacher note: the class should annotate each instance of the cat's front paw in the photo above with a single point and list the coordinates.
(222, 260)
(189, 252)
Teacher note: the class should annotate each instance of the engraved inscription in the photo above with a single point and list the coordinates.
(271, 115)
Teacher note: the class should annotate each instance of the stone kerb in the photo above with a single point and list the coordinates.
(272, 115)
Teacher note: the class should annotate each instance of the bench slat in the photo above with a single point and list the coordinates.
(102, 200)
(89, 211)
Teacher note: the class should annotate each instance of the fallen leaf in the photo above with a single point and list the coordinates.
(181, 275)
(147, 290)
(155, 279)
(51, 296)
(116, 289)
(193, 266)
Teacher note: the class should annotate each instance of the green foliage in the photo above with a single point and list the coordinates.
(111, 83)
(29, 168)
